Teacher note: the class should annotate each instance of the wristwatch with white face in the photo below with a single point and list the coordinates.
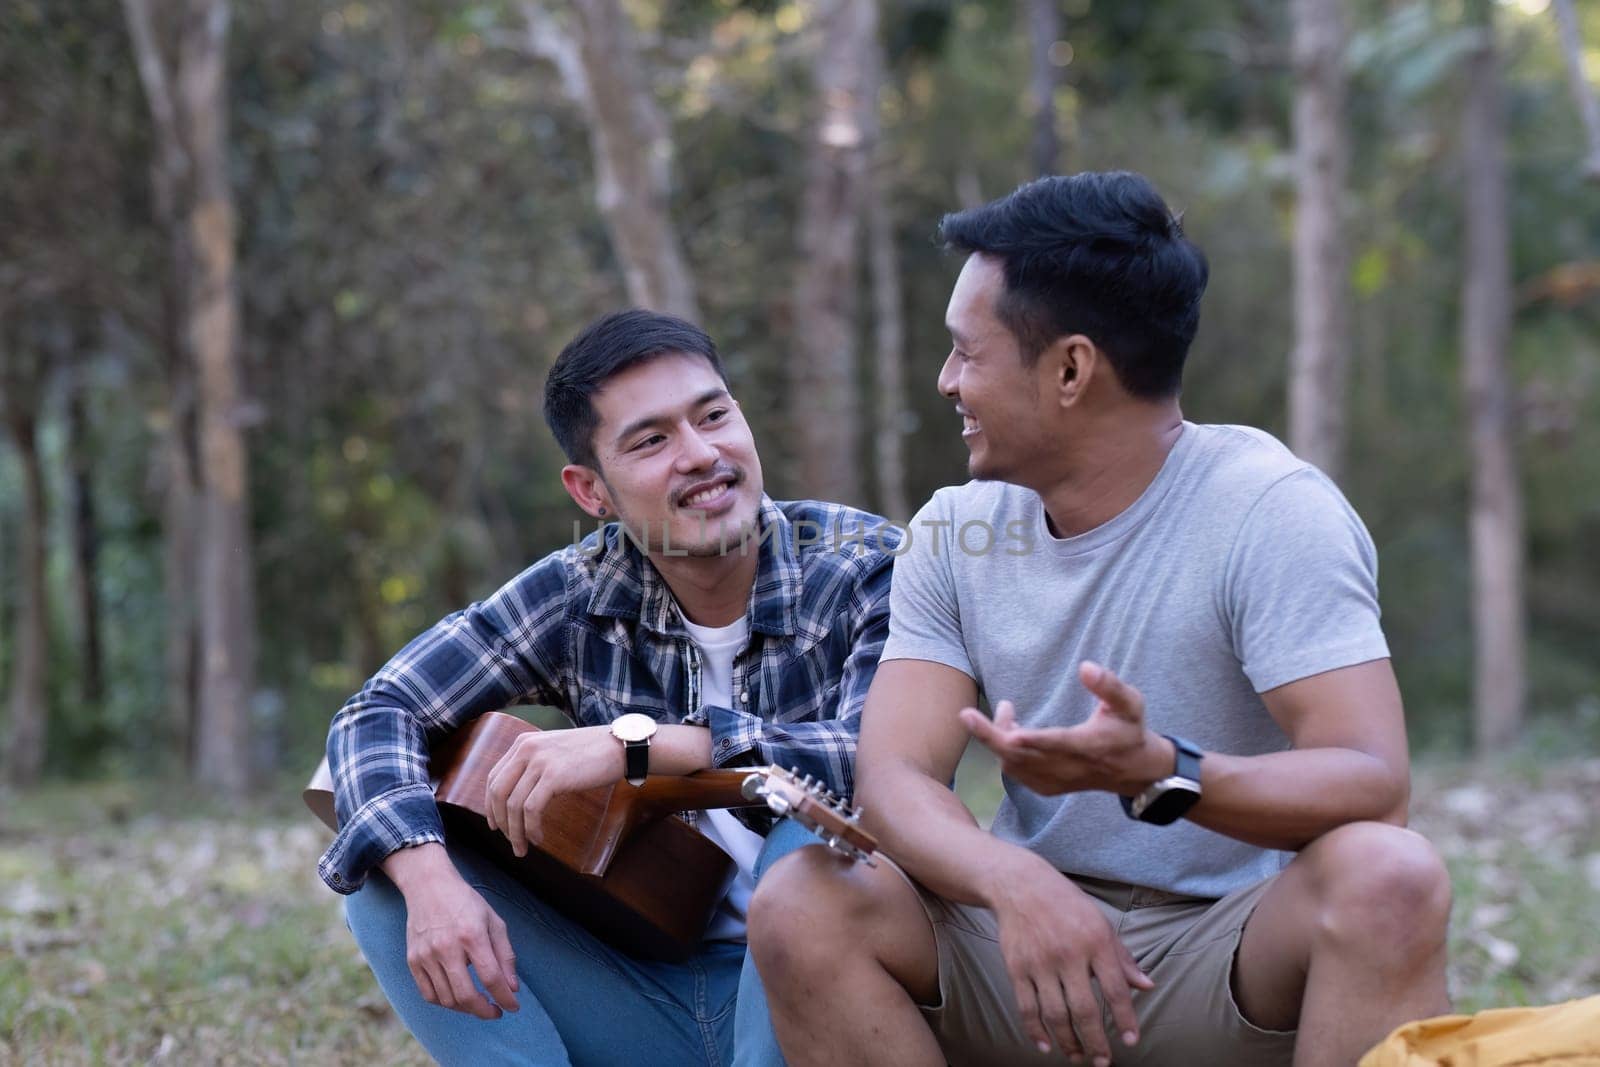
(634, 731)
(1166, 800)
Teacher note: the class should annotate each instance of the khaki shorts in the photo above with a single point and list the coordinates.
(1186, 945)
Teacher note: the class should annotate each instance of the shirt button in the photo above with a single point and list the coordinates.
(744, 697)
(726, 743)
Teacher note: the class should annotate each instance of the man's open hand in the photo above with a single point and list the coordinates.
(1111, 750)
(543, 764)
(1054, 940)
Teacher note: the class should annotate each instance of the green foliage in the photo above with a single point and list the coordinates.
(419, 238)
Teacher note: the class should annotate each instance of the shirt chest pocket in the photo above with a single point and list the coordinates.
(600, 704)
(802, 690)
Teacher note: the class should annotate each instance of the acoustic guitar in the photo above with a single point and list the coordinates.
(618, 859)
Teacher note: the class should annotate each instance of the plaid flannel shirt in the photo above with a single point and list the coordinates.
(593, 630)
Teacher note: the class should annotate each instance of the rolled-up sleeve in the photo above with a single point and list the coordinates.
(502, 652)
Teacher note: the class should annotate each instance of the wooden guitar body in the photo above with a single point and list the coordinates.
(615, 859)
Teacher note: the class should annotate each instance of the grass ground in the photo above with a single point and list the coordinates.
(144, 927)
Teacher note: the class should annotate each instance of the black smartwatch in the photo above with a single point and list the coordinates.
(1166, 800)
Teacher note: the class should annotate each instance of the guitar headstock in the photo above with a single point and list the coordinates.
(809, 803)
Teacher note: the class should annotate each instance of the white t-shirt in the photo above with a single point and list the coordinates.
(718, 646)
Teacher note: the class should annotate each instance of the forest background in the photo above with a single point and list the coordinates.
(280, 283)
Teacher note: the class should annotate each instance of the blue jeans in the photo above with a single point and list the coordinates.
(582, 1002)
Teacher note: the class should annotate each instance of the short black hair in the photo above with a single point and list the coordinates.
(1099, 254)
(607, 347)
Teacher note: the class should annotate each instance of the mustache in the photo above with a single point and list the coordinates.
(733, 475)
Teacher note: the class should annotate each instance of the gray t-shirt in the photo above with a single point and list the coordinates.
(1239, 569)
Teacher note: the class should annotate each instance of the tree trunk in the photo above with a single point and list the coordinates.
(226, 589)
(1496, 507)
(178, 455)
(890, 330)
(188, 107)
(180, 581)
(1319, 364)
(826, 400)
(1044, 29)
(28, 713)
(85, 527)
(1582, 91)
(631, 144)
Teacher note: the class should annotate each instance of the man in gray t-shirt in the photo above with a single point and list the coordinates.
(1240, 569)
(1200, 857)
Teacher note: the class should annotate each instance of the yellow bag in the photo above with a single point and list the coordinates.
(1561, 1035)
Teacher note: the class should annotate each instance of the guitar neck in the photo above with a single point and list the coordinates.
(700, 791)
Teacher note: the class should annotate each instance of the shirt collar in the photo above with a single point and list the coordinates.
(628, 586)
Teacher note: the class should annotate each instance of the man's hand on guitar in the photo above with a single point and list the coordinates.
(448, 926)
(543, 764)
(1111, 750)
(1054, 940)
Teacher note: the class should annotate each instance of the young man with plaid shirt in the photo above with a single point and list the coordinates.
(745, 630)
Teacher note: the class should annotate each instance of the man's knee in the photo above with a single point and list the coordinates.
(812, 908)
(797, 909)
(1381, 885)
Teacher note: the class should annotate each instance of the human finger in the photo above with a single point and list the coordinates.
(1005, 716)
(516, 830)
(485, 960)
(1120, 698)
(465, 994)
(500, 941)
(1022, 988)
(533, 810)
(1112, 975)
(983, 729)
(419, 974)
(1055, 1016)
(497, 787)
(1131, 969)
(1086, 1018)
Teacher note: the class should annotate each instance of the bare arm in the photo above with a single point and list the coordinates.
(1053, 937)
(1349, 763)
(1349, 760)
(542, 764)
(911, 741)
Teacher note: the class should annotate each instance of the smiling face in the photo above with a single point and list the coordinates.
(1008, 409)
(677, 462)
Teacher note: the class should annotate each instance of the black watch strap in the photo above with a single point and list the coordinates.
(1188, 765)
(636, 757)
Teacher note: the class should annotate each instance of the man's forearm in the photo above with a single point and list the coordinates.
(926, 829)
(417, 865)
(1286, 800)
(679, 749)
